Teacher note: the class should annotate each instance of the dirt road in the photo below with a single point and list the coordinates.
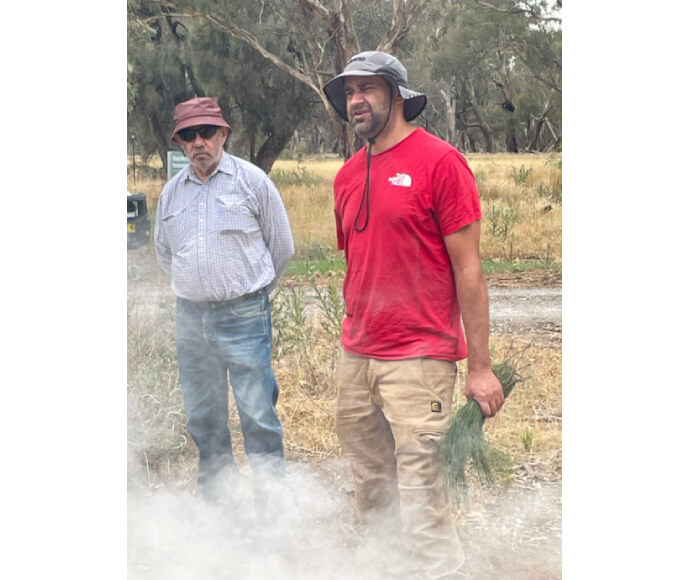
(518, 304)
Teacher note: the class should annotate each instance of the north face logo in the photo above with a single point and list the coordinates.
(401, 179)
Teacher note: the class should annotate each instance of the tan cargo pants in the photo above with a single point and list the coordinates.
(390, 416)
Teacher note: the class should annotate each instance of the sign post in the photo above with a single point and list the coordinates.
(176, 163)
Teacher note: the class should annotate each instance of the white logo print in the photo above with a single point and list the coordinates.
(401, 179)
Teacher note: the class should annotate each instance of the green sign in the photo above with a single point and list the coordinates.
(176, 162)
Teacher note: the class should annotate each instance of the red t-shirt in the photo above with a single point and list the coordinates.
(399, 287)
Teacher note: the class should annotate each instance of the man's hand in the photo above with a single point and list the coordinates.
(485, 388)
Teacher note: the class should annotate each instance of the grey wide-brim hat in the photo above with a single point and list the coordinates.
(375, 63)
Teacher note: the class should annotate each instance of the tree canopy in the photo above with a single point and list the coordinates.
(491, 69)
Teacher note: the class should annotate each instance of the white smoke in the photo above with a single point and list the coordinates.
(309, 533)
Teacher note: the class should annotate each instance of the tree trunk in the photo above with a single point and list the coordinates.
(481, 120)
(473, 143)
(252, 145)
(511, 136)
(274, 145)
(534, 139)
(557, 139)
(161, 140)
(449, 105)
(503, 82)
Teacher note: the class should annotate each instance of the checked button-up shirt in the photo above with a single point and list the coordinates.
(223, 238)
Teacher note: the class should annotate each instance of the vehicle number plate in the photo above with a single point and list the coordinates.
(131, 228)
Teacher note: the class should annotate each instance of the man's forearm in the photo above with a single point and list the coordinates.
(473, 297)
(474, 306)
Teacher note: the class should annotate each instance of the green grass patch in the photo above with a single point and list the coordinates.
(316, 258)
(304, 267)
(322, 258)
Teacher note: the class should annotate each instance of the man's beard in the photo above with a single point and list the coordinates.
(370, 127)
(207, 161)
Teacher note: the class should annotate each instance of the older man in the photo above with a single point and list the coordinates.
(407, 214)
(223, 234)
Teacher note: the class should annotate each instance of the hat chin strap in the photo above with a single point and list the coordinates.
(365, 194)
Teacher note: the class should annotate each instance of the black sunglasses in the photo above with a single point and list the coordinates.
(205, 132)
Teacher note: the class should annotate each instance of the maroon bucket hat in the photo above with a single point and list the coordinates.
(198, 111)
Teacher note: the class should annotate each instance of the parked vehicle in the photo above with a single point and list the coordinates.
(138, 220)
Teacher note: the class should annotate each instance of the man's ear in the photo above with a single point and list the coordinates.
(225, 132)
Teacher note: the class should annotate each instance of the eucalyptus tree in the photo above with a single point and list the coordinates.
(265, 103)
(491, 68)
(173, 57)
(482, 65)
(315, 38)
(158, 74)
(541, 56)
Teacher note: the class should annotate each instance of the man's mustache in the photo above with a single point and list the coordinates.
(359, 108)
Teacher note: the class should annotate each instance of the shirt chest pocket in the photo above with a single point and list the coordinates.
(234, 214)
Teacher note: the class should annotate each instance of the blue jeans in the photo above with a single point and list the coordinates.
(213, 339)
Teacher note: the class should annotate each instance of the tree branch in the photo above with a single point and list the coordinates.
(549, 83)
(252, 41)
(316, 8)
(528, 9)
(405, 12)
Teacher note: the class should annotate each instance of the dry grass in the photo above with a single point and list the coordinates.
(159, 445)
(307, 381)
(533, 410)
(520, 199)
(324, 168)
(310, 211)
(521, 202)
(151, 187)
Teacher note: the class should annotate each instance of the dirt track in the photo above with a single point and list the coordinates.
(519, 304)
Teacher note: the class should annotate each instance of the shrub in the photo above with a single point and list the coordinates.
(520, 175)
(298, 176)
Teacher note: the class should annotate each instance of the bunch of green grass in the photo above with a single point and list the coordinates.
(465, 439)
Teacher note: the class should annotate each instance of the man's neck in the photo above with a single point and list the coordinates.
(391, 136)
(205, 175)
